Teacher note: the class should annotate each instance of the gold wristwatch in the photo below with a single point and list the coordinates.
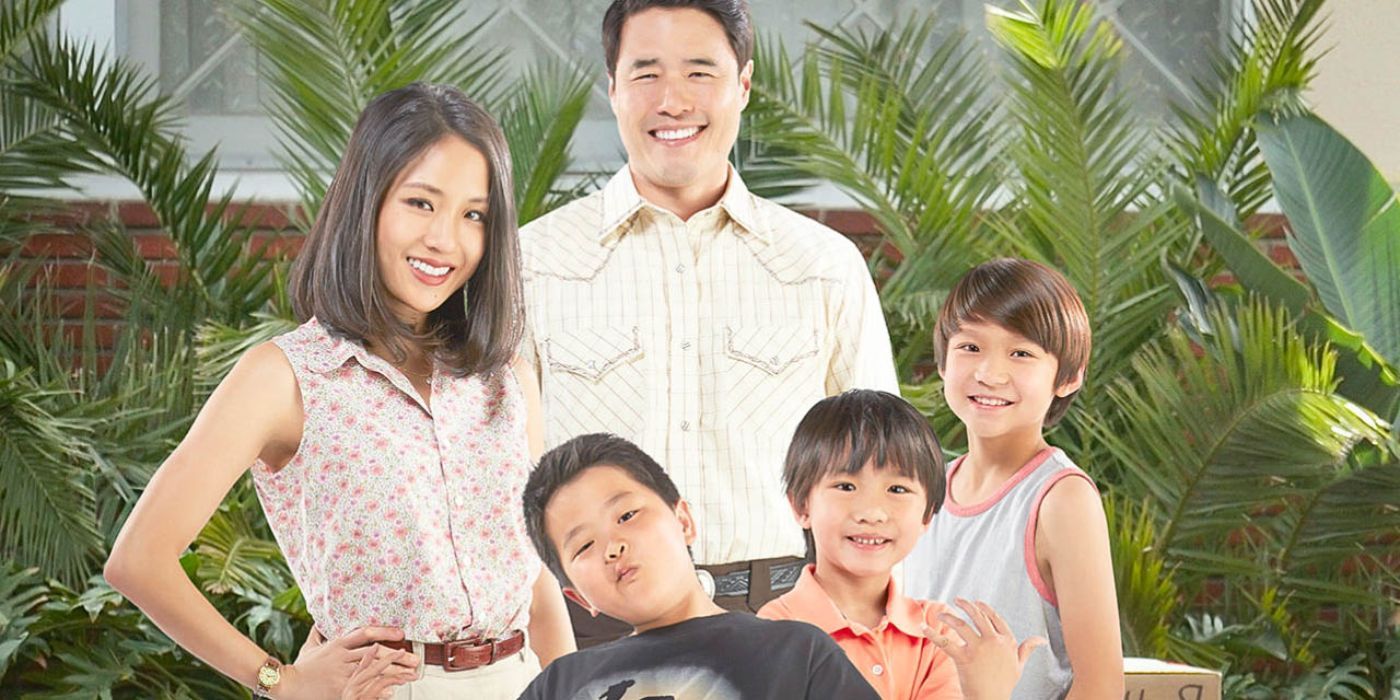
(268, 677)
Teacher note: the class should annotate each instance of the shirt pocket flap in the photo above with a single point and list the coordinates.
(592, 352)
(771, 348)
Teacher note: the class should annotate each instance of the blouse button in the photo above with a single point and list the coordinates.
(877, 669)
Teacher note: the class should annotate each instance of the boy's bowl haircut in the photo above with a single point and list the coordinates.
(842, 433)
(1027, 298)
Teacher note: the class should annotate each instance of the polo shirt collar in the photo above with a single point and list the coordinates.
(622, 202)
(817, 607)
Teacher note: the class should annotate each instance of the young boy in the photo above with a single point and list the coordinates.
(864, 475)
(611, 526)
(1022, 528)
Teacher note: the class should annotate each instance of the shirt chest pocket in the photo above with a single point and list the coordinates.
(769, 369)
(598, 374)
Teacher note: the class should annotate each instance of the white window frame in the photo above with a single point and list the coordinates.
(247, 145)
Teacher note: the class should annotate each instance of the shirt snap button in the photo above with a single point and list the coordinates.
(680, 268)
(685, 425)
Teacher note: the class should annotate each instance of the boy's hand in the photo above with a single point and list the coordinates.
(988, 659)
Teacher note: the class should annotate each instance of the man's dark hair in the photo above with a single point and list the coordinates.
(564, 463)
(336, 276)
(733, 15)
(842, 433)
(1027, 298)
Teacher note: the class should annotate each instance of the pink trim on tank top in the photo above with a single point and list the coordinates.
(1032, 563)
(952, 506)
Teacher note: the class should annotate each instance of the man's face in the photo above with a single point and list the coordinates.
(677, 93)
(622, 548)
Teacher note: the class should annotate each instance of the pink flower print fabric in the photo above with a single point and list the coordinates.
(396, 512)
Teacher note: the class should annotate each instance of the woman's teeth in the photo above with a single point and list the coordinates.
(427, 269)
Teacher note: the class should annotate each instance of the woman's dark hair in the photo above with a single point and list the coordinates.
(336, 277)
(733, 15)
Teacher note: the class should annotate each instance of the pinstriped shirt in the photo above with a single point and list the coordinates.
(703, 341)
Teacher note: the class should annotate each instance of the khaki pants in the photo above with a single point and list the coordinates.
(504, 680)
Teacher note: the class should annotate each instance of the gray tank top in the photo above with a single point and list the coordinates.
(986, 551)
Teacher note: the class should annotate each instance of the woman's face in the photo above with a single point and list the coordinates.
(431, 231)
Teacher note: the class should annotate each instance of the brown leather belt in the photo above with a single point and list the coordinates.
(466, 654)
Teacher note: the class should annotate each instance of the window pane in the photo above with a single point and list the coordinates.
(203, 61)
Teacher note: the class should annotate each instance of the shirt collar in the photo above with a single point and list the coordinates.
(622, 202)
(332, 351)
(817, 607)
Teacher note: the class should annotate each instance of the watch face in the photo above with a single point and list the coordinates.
(269, 676)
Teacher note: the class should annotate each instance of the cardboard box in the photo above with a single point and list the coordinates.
(1151, 679)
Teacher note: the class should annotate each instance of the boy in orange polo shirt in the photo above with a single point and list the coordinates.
(864, 475)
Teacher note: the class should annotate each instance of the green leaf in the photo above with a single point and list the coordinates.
(1344, 225)
(1215, 215)
(22, 591)
(900, 121)
(539, 120)
(324, 60)
(47, 506)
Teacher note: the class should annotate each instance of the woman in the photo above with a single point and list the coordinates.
(387, 435)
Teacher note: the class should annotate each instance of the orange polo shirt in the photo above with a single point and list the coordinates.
(896, 657)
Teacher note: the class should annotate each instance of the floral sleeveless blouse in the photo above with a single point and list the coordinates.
(397, 512)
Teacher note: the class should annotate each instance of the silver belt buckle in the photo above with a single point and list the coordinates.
(707, 581)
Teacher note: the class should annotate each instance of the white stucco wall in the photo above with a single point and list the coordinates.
(1357, 88)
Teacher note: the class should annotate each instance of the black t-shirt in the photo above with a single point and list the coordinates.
(731, 656)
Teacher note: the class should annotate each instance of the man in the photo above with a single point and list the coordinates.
(677, 310)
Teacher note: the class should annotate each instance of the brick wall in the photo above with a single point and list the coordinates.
(67, 260)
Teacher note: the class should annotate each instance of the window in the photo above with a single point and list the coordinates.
(202, 62)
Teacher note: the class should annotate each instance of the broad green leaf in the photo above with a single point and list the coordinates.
(1344, 225)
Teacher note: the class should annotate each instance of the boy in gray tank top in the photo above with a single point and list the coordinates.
(1022, 527)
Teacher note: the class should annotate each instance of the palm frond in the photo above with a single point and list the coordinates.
(900, 121)
(540, 116)
(20, 20)
(1218, 439)
(21, 592)
(1085, 199)
(1147, 595)
(1335, 541)
(34, 152)
(221, 345)
(232, 557)
(1266, 66)
(47, 506)
(324, 61)
(112, 110)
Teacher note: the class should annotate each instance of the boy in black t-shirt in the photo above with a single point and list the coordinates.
(612, 527)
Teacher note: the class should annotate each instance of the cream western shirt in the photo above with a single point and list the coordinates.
(703, 341)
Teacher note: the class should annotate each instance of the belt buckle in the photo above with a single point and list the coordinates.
(449, 653)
